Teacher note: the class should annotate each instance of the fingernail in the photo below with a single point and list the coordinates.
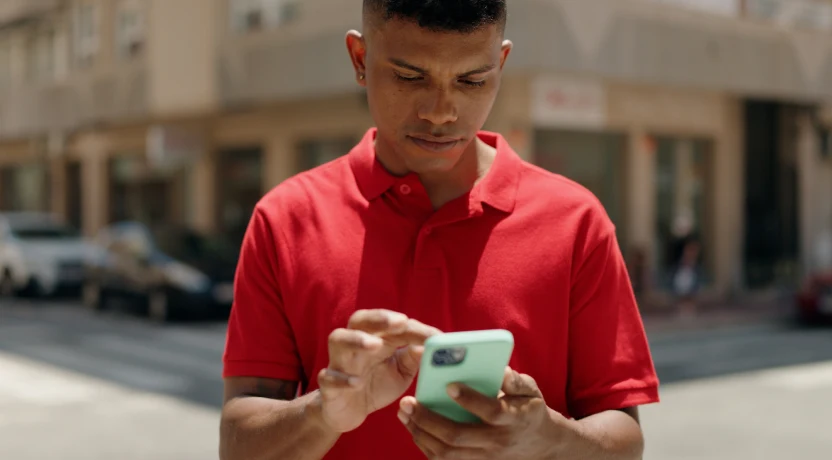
(453, 391)
(354, 381)
(403, 417)
(396, 316)
(373, 341)
(406, 407)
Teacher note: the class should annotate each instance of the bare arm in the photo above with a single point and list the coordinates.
(262, 420)
(610, 435)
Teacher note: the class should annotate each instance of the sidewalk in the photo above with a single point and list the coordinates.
(51, 413)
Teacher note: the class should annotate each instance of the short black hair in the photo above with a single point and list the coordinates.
(441, 15)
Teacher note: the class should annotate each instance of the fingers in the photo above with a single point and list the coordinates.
(408, 359)
(413, 333)
(372, 337)
(500, 411)
(433, 448)
(394, 327)
(332, 382)
(516, 384)
(440, 436)
(350, 351)
(378, 321)
(493, 411)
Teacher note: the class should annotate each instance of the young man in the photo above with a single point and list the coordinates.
(429, 225)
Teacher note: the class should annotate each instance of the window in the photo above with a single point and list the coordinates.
(683, 189)
(86, 34)
(593, 159)
(314, 153)
(41, 57)
(130, 30)
(254, 15)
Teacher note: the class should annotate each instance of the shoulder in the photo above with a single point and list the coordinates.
(305, 193)
(562, 202)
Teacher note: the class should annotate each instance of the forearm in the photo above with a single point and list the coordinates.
(266, 429)
(610, 435)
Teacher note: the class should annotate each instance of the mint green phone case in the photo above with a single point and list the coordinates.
(482, 368)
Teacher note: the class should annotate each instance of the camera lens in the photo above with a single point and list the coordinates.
(448, 356)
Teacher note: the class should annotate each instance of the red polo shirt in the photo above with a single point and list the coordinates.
(525, 250)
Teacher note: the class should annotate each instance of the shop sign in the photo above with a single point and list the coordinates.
(568, 102)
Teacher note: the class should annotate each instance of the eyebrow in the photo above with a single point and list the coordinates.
(405, 65)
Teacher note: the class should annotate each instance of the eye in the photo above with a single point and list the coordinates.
(474, 83)
(407, 78)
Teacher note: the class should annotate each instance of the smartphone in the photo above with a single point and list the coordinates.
(476, 358)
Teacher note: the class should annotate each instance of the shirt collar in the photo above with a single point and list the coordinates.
(497, 189)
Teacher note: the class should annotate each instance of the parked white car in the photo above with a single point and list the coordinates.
(39, 254)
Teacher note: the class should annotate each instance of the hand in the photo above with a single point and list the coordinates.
(371, 364)
(517, 424)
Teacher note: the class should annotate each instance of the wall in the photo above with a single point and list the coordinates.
(182, 56)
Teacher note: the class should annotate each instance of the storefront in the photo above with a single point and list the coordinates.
(665, 163)
(240, 186)
(25, 187)
(316, 152)
(772, 235)
(142, 193)
(684, 190)
(594, 159)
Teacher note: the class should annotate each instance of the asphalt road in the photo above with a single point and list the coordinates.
(74, 385)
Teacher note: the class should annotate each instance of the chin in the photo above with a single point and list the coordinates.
(420, 161)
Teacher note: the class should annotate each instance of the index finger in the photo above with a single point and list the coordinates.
(378, 321)
(413, 333)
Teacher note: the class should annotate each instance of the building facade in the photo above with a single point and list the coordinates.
(711, 115)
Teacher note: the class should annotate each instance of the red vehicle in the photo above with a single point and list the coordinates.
(814, 301)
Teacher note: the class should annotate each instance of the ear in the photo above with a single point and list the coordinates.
(504, 52)
(358, 54)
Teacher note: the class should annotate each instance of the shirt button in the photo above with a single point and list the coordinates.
(405, 189)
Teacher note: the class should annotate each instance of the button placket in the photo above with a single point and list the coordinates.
(426, 250)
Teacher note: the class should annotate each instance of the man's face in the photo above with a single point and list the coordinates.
(429, 92)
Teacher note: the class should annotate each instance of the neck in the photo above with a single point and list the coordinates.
(473, 165)
(445, 186)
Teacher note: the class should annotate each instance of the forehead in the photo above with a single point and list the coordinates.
(402, 39)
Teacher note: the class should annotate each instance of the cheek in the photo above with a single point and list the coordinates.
(389, 106)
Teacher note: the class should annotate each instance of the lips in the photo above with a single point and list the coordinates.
(434, 144)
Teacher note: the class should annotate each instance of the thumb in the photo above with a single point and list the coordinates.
(408, 359)
(516, 384)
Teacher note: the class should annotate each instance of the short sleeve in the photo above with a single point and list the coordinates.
(260, 340)
(610, 366)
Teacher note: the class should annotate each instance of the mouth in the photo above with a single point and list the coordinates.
(434, 144)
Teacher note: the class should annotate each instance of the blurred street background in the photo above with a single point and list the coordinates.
(136, 137)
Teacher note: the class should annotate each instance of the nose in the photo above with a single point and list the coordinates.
(438, 107)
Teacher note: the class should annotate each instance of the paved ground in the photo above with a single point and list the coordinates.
(78, 386)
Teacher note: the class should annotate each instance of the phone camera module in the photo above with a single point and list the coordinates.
(448, 356)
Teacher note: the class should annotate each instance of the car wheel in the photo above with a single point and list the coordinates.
(7, 288)
(92, 297)
(158, 307)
